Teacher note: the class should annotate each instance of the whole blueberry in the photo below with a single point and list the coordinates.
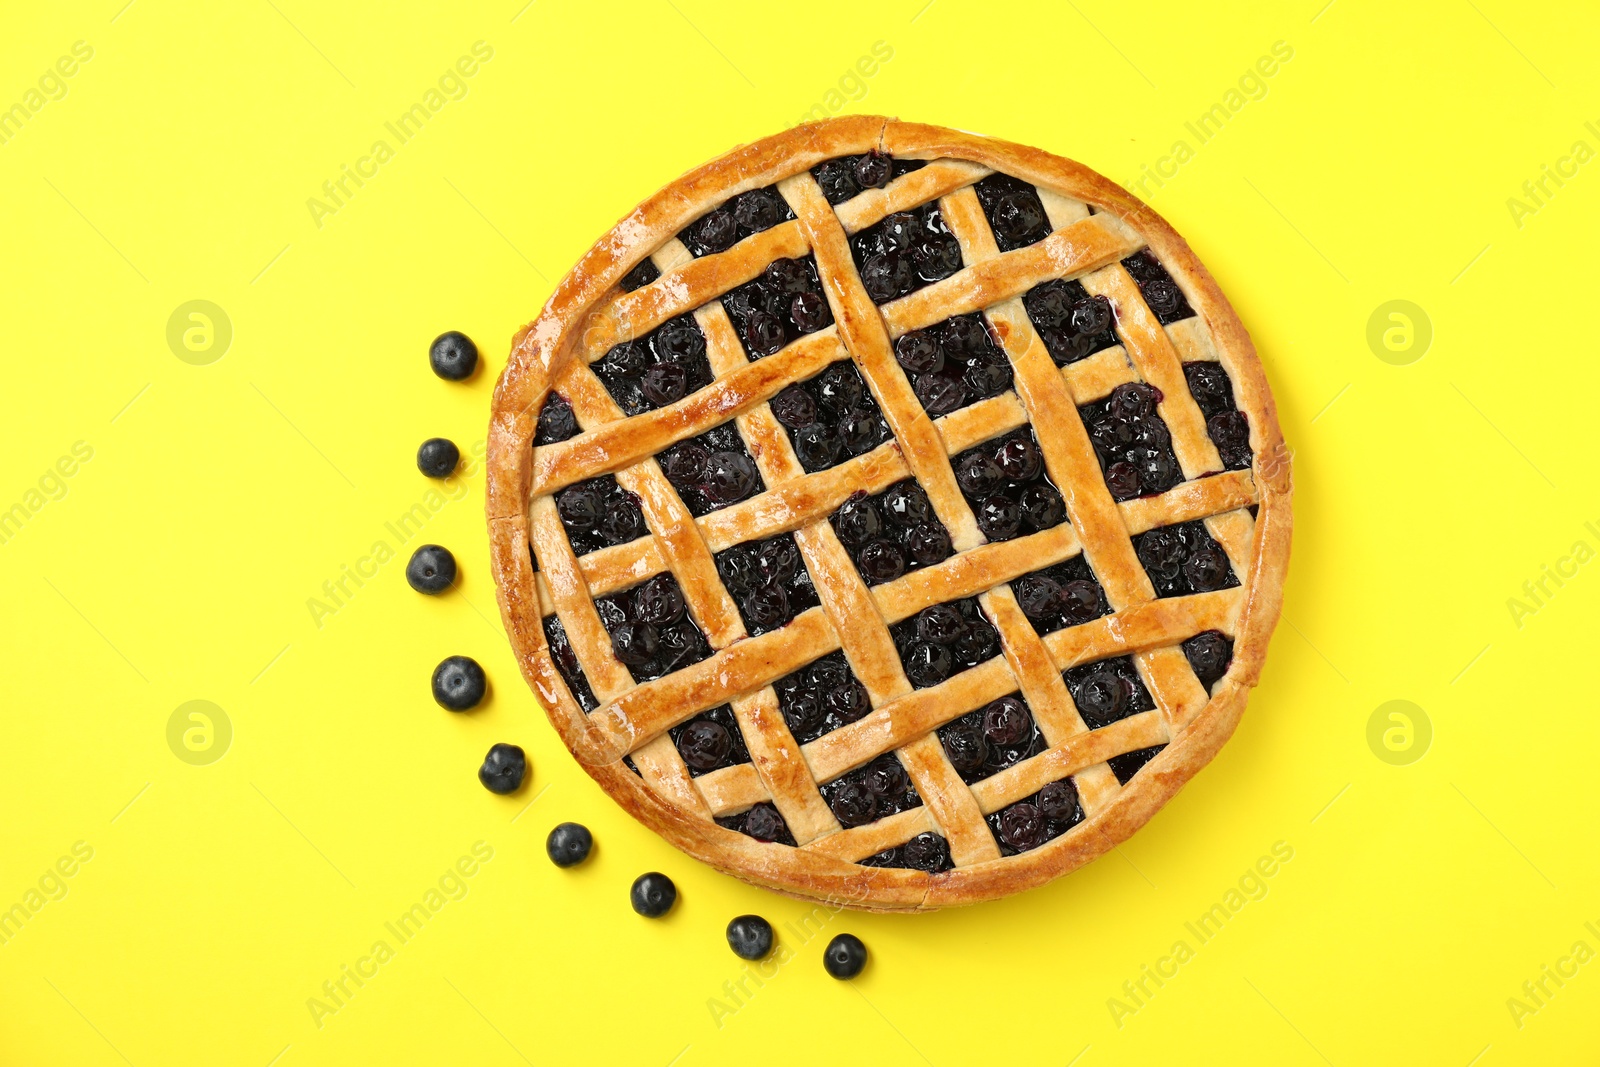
(432, 569)
(750, 937)
(453, 356)
(503, 769)
(459, 683)
(568, 844)
(653, 895)
(845, 956)
(438, 456)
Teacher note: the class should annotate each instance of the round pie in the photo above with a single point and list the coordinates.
(888, 514)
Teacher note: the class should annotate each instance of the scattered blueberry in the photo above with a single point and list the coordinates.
(750, 937)
(459, 683)
(568, 844)
(653, 895)
(453, 356)
(432, 569)
(503, 769)
(437, 458)
(845, 956)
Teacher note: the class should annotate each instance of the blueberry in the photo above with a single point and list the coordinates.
(579, 507)
(809, 312)
(459, 683)
(767, 608)
(635, 643)
(881, 562)
(1102, 696)
(764, 333)
(1019, 459)
(432, 569)
(928, 664)
(1022, 826)
(999, 518)
(568, 844)
(763, 823)
(919, 352)
(845, 956)
(557, 422)
(837, 178)
(757, 210)
(704, 744)
(816, 446)
(965, 746)
(1006, 722)
(872, 170)
(927, 852)
(453, 356)
(928, 544)
(503, 769)
(886, 777)
(853, 804)
(940, 624)
(653, 895)
(665, 383)
(750, 937)
(1209, 654)
(1207, 569)
(977, 475)
(438, 456)
(794, 408)
(857, 522)
(658, 601)
(729, 477)
(1059, 802)
(1042, 506)
(940, 394)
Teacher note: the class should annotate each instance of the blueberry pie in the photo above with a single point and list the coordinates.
(889, 514)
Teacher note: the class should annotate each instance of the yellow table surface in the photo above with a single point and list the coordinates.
(170, 524)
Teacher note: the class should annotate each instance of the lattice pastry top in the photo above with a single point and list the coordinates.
(889, 514)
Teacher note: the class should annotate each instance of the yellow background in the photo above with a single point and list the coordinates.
(179, 562)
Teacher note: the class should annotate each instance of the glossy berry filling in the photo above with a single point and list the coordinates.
(566, 661)
(1209, 654)
(1066, 594)
(557, 422)
(598, 513)
(1032, 821)
(1072, 324)
(784, 304)
(926, 852)
(1108, 691)
(821, 697)
(1132, 442)
(710, 741)
(1226, 425)
(1128, 764)
(870, 793)
(651, 630)
(762, 822)
(830, 417)
(1184, 559)
(640, 276)
(1014, 211)
(998, 735)
(711, 471)
(953, 363)
(1160, 292)
(769, 582)
(892, 533)
(943, 640)
(904, 252)
(843, 178)
(1005, 482)
(746, 214)
(660, 368)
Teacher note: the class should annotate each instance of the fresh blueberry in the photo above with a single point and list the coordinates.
(653, 895)
(453, 356)
(437, 458)
(432, 569)
(503, 769)
(459, 683)
(750, 937)
(568, 844)
(845, 956)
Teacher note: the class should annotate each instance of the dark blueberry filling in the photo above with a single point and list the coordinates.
(1072, 324)
(769, 582)
(1057, 597)
(891, 533)
(651, 631)
(1014, 211)
(566, 662)
(1209, 654)
(556, 421)
(953, 363)
(627, 761)
(830, 417)
(762, 822)
(1108, 691)
(942, 640)
(721, 228)
(873, 792)
(640, 276)
(709, 741)
(821, 697)
(1132, 442)
(599, 513)
(998, 735)
(1128, 764)
(1032, 821)
(785, 303)
(904, 252)
(1160, 292)
(658, 369)
(846, 176)
(1184, 559)
(1227, 426)
(1004, 480)
(926, 852)
(711, 471)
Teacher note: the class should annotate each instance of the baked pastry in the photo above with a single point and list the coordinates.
(889, 514)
